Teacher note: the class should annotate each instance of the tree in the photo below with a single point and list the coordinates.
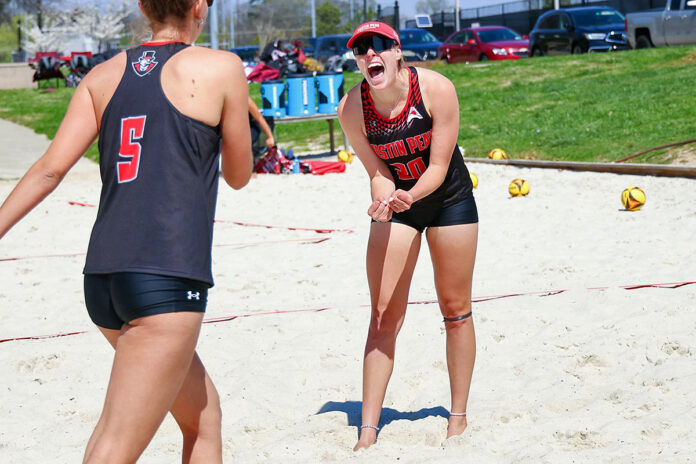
(103, 25)
(48, 37)
(277, 19)
(434, 6)
(4, 13)
(328, 19)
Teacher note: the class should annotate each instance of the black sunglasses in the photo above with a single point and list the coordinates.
(210, 3)
(377, 43)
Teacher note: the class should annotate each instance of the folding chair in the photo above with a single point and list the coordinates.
(47, 67)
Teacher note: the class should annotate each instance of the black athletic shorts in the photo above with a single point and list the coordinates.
(118, 298)
(462, 212)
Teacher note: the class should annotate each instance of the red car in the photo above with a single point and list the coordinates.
(484, 43)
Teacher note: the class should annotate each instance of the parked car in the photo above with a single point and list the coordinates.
(484, 43)
(578, 30)
(675, 24)
(248, 53)
(327, 46)
(418, 44)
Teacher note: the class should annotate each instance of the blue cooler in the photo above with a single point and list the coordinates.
(329, 91)
(273, 98)
(301, 98)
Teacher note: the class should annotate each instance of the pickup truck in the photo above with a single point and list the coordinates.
(673, 25)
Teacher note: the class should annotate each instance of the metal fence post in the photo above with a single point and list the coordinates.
(397, 22)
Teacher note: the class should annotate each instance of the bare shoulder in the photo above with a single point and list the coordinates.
(218, 60)
(350, 104)
(107, 72)
(434, 84)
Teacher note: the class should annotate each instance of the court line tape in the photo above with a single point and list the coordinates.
(247, 224)
(220, 245)
(215, 320)
(319, 231)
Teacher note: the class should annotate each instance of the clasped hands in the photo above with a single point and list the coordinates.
(397, 202)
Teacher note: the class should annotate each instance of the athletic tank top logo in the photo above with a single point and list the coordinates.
(146, 63)
(413, 114)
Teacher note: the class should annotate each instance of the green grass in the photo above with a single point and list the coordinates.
(596, 107)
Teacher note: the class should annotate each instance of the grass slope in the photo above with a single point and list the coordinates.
(596, 107)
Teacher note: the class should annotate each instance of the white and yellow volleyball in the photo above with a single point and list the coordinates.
(633, 198)
(518, 188)
(474, 179)
(345, 156)
(497, 154)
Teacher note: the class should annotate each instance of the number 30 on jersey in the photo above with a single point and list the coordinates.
(132, 130)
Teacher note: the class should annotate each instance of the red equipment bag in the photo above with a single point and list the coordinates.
(326, 167)
(273, 162)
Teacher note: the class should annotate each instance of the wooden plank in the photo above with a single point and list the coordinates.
(660, 170)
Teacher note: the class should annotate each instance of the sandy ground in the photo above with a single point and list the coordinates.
(589, 375)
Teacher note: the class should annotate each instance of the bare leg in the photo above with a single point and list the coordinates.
(197, 411)
(152, 366)
(392, 252)
(453, 251)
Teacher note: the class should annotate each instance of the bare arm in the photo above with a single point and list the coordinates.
(76, 133)
(381, 181)
(440, 98)
(350, 116)
(236, 135)
(258, 117)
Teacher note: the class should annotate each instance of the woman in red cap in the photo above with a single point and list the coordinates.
(403, 123)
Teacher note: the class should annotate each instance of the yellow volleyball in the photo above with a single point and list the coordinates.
(633, 198)
(518, 188)
(497, 154)
(474, 179)
(345, 156)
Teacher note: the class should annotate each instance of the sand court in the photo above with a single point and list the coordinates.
(596, 373)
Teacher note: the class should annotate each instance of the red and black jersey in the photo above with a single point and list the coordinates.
(159, 171)
(403, 143)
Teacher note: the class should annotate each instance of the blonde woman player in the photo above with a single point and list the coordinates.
(163, 111)
(403, 123)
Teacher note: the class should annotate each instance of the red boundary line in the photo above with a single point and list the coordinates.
(671, 285)
(238, 245)
(319, 231)
(246, 224)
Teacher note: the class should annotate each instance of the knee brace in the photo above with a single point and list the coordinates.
(456, 319)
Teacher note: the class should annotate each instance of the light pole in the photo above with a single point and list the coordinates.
(214, 44)
(314, 20)
(232, 18)
(456, 12)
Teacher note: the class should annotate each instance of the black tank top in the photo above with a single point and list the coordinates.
(159, 171)
(403, 143)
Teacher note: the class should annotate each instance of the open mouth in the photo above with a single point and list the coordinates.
(375, 70)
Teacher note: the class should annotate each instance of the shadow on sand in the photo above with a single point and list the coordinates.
(353, 411)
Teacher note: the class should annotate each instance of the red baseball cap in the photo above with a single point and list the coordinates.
(374, 28)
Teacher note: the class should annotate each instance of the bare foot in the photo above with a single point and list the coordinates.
(368, 437)
(456, 425)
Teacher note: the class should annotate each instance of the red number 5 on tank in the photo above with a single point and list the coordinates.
(132, 129)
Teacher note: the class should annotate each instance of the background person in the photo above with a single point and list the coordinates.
(403, 125)
(258, 124)
(148, 265)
